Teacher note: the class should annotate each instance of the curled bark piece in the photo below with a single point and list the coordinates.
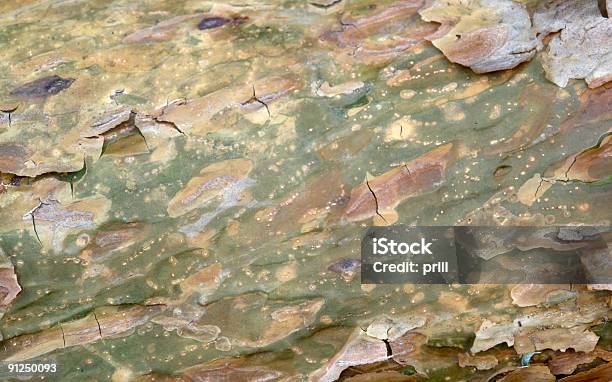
(360, 349)
(578, 338)
(597, 374)
(107, 121)
(583, 49)
(485, 35)
(536, 373)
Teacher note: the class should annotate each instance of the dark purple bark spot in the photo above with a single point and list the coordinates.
(345, 265)
(212, 22)
(43, 87)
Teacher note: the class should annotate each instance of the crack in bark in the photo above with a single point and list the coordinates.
(575, 159)
(254, 98)
(388, 346)
(325, 6)
(524, 51)
(35, 231)
(17, 180)
(407, 169)
(63, 335)
(375, 200)
(132, 121)
(97, 322)
(570, 168)
(9, 112)
(72, 178)
(40, 204)
(535, 196)
(144, 139)
(345, 24)
(172, 124)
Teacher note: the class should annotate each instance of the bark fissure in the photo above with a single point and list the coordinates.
(98, 322)
(256, 99)
(375, 200)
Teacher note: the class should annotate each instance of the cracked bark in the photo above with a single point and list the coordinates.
(97, 322)
(325, 6)
(35, 231)
(535, 196)
(31, 213)
(63, 335)
(171, 124)
(570, 168)
(253, 99)
(9, 112)
(375, 200)
(389, 350)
